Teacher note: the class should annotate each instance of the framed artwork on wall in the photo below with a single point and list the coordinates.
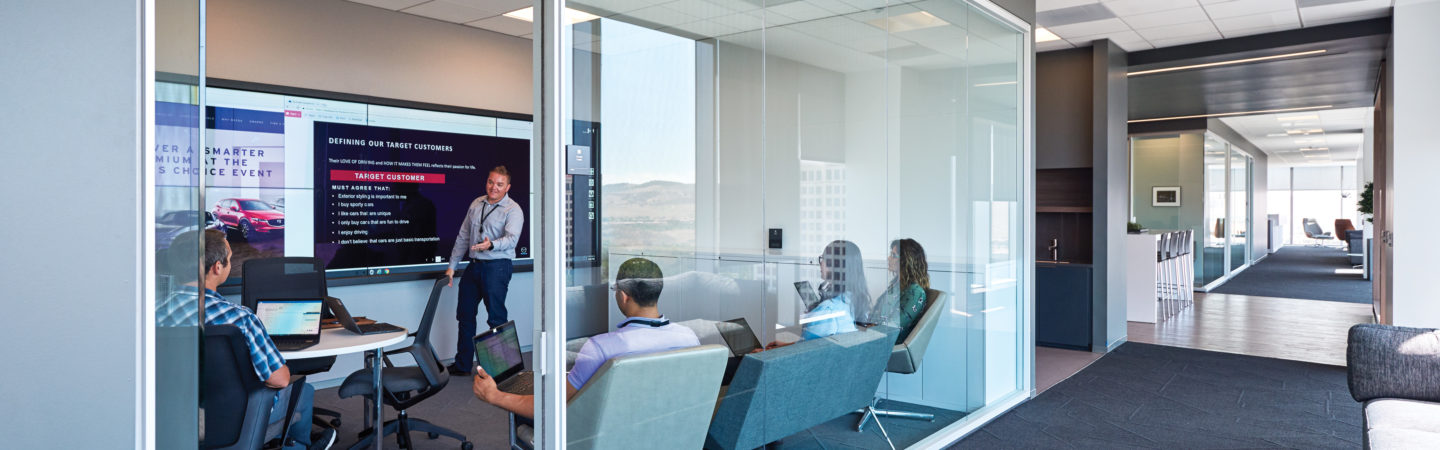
(1165, 196)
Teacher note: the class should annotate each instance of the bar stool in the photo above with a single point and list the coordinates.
(1162, 275)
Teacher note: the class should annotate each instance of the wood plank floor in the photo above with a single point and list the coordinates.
(1053, 365)
(1300, 330)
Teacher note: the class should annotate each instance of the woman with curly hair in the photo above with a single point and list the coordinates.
(904, 300)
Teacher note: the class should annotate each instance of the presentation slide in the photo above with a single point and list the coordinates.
(370, 189)
(393, 196)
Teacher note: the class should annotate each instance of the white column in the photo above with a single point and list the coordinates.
(1416, 160)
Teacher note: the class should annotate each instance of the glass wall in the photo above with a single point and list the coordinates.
(1323, 193)
(178, 220)
(761, 153)
(1215, 196)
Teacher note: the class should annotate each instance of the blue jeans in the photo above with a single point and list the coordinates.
(486, 280)
(304, 409)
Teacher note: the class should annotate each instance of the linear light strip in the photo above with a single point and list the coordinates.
(1243, 113)
(1226, 63)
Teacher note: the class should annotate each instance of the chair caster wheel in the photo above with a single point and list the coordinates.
(433, 435)
(467, 446)
(335, 423)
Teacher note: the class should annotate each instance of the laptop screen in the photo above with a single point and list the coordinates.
(738, 336)
(289, 317)
(498, 351)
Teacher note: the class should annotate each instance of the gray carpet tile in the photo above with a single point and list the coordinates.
(1303, 273)
(1149, 396)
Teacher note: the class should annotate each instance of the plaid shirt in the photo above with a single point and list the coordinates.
(179, 310)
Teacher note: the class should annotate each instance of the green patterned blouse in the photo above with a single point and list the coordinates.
(908, 304)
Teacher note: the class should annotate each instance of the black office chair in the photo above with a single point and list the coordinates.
(237, 404)
(290, 277)
(407, 386)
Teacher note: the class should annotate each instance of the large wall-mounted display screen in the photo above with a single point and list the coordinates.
(370, 189)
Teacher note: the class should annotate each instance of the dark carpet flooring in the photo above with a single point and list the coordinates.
(456, 408)
(1149, 396)
(1303, 273)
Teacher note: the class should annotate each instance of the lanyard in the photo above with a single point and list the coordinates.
(654, 323)
(486, 214)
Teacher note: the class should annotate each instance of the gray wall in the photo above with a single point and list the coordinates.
(1024, 9)
(340, 46)
(1063, 94)
(1169, 161)
(1111, 192)
(71, 120)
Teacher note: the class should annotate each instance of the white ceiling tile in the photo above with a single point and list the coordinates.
(835, 6)
(864, 5)
(1179, 31)
(708, 28)
(394, 5)
(1163, 18)
(1135, 46)
(1344, 12)
(1052, 45)
(493, 7)
(1283, 19)
(1247, 7)
(1050, 5)
(744, 21)
(1170, 42)
(800, 11)
(502, 24)
(1124, 8)
(662, 15)
(701, 8)
(447, 11)
(1090, 28)
(620, 6)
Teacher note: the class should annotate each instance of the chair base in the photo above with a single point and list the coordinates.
(402, 426)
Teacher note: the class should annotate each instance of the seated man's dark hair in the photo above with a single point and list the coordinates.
(641, 279)
(184, 248)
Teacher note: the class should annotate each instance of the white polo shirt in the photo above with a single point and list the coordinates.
(636, 335)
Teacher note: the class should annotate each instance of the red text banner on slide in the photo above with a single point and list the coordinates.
(387, 177)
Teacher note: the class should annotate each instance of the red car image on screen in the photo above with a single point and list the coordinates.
(251, 217)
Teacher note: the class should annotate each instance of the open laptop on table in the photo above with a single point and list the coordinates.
(293, 323)
(497, 350)
(343, 316)
(741, 339)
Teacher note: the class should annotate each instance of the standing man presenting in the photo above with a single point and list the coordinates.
(488, 235)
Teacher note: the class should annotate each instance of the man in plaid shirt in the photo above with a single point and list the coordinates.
(179, 309)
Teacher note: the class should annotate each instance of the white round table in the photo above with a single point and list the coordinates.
(339, 341)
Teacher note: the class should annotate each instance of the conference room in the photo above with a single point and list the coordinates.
(833, 192)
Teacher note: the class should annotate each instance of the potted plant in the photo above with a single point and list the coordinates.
(1134, 228)
(1366, 204)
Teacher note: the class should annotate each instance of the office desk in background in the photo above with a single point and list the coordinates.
(339, 341)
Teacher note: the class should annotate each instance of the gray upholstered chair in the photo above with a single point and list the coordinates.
(655, 400)
(1393, 370)
(782, 391)
(906, 356)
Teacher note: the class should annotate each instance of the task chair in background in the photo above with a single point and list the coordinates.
(237, 404)
(290, 277)
(407, 386)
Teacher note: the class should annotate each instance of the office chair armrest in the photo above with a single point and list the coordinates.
(297, 386)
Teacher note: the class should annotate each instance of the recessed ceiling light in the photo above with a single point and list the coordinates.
(1044, 35)
(528, 14)
(918, 20)
(1242, 113)
(1227, 63)
(997, 83)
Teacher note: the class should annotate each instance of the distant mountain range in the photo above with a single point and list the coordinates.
(650, 201)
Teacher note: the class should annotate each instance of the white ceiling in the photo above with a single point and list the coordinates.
(1307, 137)
(841, 35)
(1145, 24)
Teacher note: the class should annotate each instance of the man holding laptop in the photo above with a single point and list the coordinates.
(638, 283)
(181, 309)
